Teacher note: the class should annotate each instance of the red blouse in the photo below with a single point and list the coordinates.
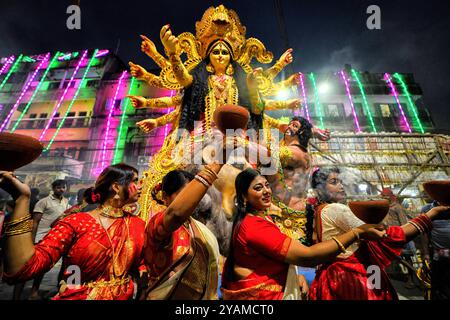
(259, 245)
(84, 243)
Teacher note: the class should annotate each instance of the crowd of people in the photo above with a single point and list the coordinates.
(175, 256)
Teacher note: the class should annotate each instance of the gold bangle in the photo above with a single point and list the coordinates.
(208, 169)
(21, 228)
(17, 221)
(340, 245)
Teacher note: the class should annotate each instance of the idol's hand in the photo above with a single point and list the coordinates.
(287, 57)
(147, 125)
(293, 103)
(294, 80)
(169, 41)
(136, 70)
(252, 78)
(322, 135)
(147, 46)
(11, 184)
(137, 102)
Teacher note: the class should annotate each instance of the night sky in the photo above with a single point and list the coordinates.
(414, 35)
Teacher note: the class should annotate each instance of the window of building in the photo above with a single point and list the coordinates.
(81, 121)
(55, 121)
(30, 123)
(53, 85)
(332, 111)
(385, 110)
(72, 152)
(41, 123)
(69, 120)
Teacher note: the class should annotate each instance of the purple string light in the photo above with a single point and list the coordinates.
(24, 90)
(7, 63)
(108, 124)
(63, 96)
(305, 99)
(347, 88)
(387, 78)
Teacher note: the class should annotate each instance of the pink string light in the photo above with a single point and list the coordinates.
(24, 90)
(305, 99)
(387, 78)
(108, 124)
(347, 88)
(9, 61)
(61, 99)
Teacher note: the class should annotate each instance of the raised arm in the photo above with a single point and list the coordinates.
(140, 73)
(171, 45)
(422, 224)
(284, 104)
(139, 102)
(325, 251)
(149, 48)
(187, 200)
(148, 125)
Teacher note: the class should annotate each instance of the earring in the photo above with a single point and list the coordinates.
(229, 70)
(210, 68)
(117, 197)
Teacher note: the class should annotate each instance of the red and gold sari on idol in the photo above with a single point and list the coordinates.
(359, 273)
(259, 245)
(104, 271)
(182, 265)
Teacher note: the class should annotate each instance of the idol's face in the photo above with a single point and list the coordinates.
(220, 57)
(335, 189)
(259, 194)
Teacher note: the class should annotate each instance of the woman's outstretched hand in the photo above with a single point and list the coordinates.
(439, 213)
(371, 231)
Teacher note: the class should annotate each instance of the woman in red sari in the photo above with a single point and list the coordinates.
(259, 266)
(348, 277)
(102, 248)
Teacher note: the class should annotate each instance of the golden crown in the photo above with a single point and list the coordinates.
(223, 24)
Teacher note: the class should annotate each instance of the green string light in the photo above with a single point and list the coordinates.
(118, 151)
(411, 104)
(35, 92)
(365, 103)
(71, 102)
(11, 71)
(316, 95)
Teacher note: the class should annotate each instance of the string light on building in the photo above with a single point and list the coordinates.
(317, 100)
(350, 98)
(388, 79)
(61, 99)
(22, 93)
(365, 103)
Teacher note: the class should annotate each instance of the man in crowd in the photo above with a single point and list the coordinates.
(45, 212)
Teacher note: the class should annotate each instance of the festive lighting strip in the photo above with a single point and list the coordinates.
(349, 95)
(411, 104)
(318, 105)
(11, 71)
(388, 79)
(61, 99)
(35, 92)
(24, 90)
(108, 125)
(119, 145)
(7, 63)
(365, 103)
(172, 93)
(305, 99)
(102, 53)
(71, 102)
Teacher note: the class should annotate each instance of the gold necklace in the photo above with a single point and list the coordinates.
(111, 212)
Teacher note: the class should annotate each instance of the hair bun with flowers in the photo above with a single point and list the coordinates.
(95, 197)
